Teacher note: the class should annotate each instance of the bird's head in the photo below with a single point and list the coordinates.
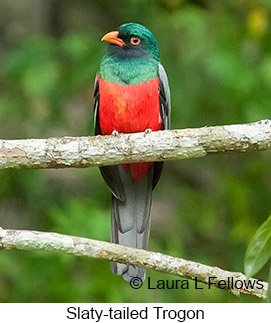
(132, 41)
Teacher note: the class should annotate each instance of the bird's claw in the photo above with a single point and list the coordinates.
(147, 132)
(115, 133)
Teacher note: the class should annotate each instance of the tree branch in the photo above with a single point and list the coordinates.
(126, 148)
(34, 240)
(138, 147)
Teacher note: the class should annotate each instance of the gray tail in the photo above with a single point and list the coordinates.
(130, 220)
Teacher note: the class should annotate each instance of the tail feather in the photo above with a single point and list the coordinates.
(130, 220)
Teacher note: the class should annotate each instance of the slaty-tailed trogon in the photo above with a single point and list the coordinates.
(131, 95)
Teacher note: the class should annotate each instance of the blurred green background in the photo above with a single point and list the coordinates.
(218, 58)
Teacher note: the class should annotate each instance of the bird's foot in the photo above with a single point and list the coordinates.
(147, 132)
(115, 133)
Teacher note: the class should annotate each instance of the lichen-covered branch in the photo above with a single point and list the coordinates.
(126, 148)
(33, 240)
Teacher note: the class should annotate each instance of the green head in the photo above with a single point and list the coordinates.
(132, 41)
(132, 55)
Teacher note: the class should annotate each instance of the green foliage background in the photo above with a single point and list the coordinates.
(218, 58)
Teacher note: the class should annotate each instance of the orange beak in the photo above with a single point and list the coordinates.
(112, 37)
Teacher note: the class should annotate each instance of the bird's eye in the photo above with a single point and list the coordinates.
(135, 40)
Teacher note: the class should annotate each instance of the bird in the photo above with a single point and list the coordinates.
(131, 94)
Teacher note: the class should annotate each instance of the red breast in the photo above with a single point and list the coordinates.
(128, 109)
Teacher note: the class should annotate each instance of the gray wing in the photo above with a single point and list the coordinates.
(164, 97)
(165, 111)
